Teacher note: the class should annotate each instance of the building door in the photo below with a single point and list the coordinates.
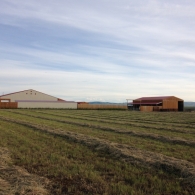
(180, 106)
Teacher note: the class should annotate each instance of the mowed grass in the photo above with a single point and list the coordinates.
(76, 169)
(174, 150)
(168, 130)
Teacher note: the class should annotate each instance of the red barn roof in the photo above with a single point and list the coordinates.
(153, 98)
(157, 98)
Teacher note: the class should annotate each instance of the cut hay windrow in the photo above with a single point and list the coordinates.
(127, 117)
(175, 140)
(124, 122)
(17, 180)
(183, 168)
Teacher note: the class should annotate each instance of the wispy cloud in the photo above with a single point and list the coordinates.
(104, 50)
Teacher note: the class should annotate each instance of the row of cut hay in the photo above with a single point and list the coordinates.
(185, 169)
(130, 118)
(16, 180)
(101, 107)
(124, 122)
(174, 140)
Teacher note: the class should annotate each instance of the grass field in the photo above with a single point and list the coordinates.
(100, 152)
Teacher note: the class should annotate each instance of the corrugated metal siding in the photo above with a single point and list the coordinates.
(170, 104)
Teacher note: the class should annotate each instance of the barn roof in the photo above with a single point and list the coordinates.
(158, 98)
(30, 90)
(13, 93)
(144, 103)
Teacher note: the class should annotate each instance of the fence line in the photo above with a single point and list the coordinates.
(8, 105)
(101, 107)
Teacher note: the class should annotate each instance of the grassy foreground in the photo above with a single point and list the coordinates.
(76, 168)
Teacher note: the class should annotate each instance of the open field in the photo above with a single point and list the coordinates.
(97, 152)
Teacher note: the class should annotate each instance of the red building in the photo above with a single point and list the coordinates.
(162, 103)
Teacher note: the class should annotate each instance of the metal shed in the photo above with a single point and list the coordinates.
(34, 99)
(162, 103)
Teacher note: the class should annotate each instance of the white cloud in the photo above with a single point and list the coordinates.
(109, 50)
(82, 86)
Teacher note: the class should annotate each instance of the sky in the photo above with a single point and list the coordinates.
(105, 50)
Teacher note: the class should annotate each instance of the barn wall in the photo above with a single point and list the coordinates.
(65, 105)
(170, 104)
(146, 108)
(29, 95)
(157, 108)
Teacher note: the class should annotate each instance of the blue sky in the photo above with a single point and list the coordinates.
(105, 50)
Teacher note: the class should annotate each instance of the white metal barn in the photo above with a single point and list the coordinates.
(34, 99)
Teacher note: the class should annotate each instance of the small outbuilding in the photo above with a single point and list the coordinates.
(34, 99)
(162, 103)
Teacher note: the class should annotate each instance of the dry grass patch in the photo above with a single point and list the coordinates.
(17, 181)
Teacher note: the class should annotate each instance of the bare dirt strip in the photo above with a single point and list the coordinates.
(15, 180)
(174, 140)
(184, 169)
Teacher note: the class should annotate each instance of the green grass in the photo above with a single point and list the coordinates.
(126, 125)
(76, 169)
(169, 149)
